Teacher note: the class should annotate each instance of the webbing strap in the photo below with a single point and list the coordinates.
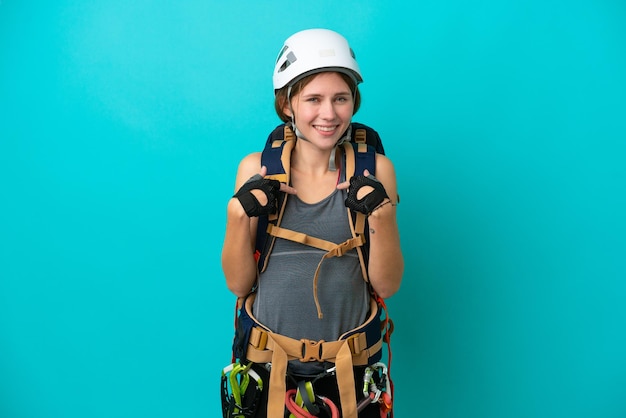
(278, 387)
(262, 343)
(265, 346)
(357, 227)
(360, 136)
(278, 384)
(277, 159)
(345, 382)
(337, 249)
(332, 250)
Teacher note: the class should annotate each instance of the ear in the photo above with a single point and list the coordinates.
(287, 110)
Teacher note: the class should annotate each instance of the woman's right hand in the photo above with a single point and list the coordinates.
(259, 195)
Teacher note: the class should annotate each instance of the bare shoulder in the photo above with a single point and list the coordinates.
(248, 167)
(384, 166)
(386, 174)
(251, 162)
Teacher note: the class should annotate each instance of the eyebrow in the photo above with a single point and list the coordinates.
(343, 93)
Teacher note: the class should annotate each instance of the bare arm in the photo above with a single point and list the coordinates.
(238, 261)
(386, 263)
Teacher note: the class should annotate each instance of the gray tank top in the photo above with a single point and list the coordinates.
(284, 302)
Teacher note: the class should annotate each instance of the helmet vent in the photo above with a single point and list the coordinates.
(282, 51)
(291, 58)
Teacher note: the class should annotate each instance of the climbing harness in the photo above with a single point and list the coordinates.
(241, 391)
(359, 347)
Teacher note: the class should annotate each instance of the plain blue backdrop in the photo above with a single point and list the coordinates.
(121, 126)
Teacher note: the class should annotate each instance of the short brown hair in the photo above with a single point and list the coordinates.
(281, 95)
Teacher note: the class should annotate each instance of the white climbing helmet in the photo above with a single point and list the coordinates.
(313, 51)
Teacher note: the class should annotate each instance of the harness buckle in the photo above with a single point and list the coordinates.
(258, 338)
(311, 350)
(355, 343)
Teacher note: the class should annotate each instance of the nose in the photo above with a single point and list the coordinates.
(327, 110)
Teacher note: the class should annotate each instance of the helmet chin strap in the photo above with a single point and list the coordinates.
(293, 117)
(332, 166)
(331, 161)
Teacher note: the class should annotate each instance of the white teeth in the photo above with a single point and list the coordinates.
(325, 128)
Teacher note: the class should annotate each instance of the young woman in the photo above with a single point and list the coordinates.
(298, 295)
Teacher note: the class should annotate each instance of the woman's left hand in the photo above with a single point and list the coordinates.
(365, 193)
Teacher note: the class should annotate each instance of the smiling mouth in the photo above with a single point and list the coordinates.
(325, 128)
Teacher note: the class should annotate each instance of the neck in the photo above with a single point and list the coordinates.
(308, 159)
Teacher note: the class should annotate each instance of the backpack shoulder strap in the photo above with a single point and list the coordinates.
(371, 136)
(359, 156)
(366, 145)
(276, 157)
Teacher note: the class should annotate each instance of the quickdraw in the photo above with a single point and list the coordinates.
(299, 411)
(241, 391)
(376, 388)
(304, 403)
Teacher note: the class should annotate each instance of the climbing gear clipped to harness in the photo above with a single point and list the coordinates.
(376, 388)
(372, 200)
(361, 346)
(304, 402)
(241, 389)
(299, 410)
(248, 200)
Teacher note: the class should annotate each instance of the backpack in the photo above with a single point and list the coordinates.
(251, 338)
(365, 145)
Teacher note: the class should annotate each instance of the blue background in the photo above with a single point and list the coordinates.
(121, 125)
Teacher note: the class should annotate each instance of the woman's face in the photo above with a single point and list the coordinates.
(323, 109)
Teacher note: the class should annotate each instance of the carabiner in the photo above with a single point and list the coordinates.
(242, 399)
(369, 384)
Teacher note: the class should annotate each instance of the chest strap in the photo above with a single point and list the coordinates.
(332, 250)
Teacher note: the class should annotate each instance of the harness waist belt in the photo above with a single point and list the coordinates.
(265, 346)
(262, 344)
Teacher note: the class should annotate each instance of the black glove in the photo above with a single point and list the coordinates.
(370, 201)
(250, 203)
